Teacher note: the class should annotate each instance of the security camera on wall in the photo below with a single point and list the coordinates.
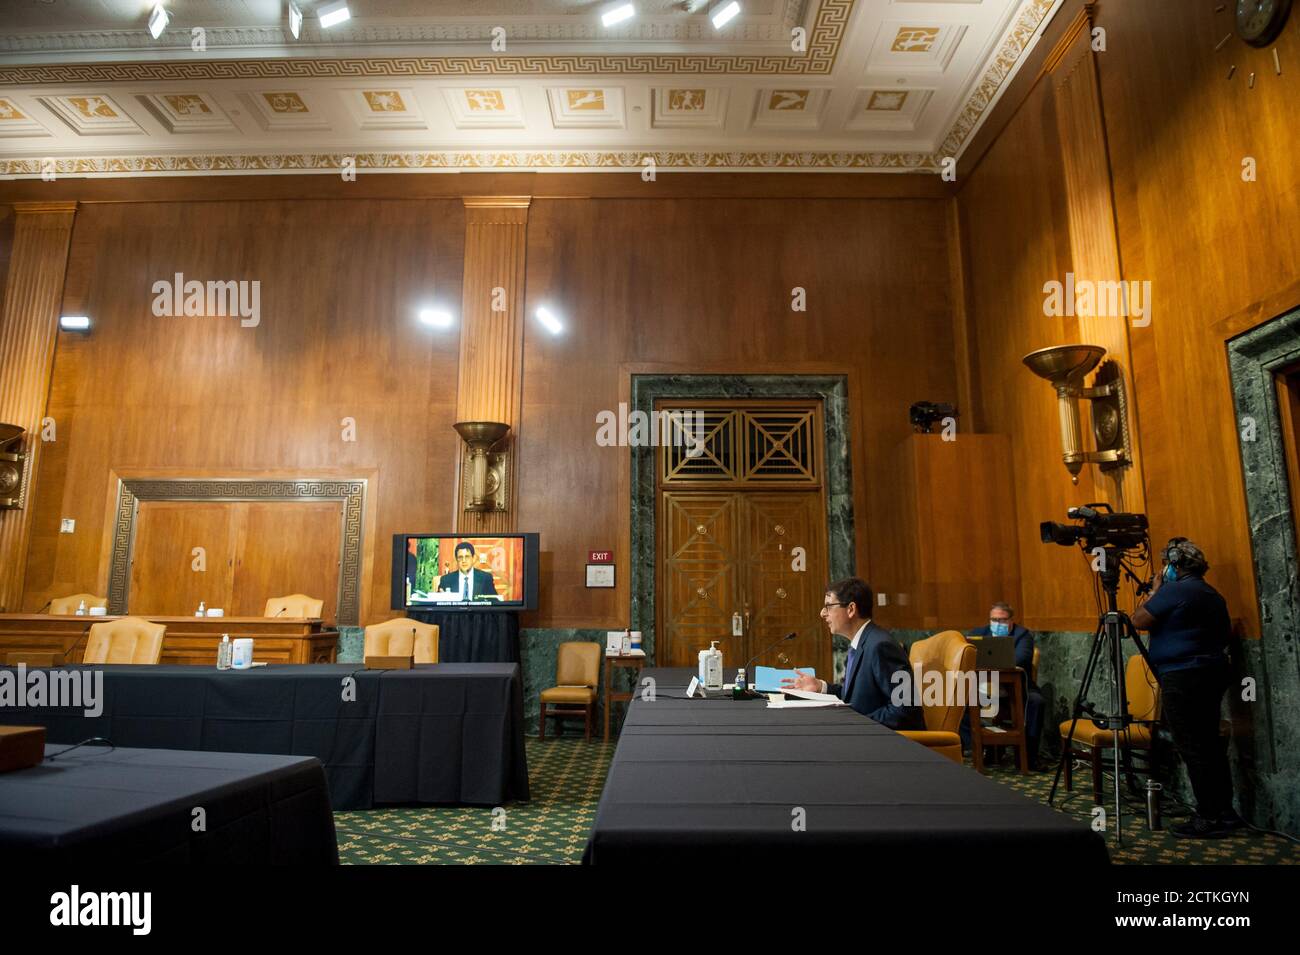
(11, 466)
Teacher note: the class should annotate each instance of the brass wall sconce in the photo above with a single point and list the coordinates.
(484, 471)
(1065, 367)
(12, 462)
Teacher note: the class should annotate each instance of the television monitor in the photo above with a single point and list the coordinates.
(464, 572)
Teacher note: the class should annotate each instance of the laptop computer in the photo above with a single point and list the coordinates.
(995, 653)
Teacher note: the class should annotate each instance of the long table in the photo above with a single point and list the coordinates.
(188, 639)
(438, 733)
(722, 779)
(129, 806)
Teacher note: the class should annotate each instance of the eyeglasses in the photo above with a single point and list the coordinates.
(826, 607)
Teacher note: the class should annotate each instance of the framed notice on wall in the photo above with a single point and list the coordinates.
(600, 575)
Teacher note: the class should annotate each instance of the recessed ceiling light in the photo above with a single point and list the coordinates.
(724, 14)
(548, 319)
(436, 317)
(295, 19)
(624, 11)
(158, 21)
(334, 13)
(75, 323)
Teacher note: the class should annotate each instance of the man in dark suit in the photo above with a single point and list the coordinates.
(472, 583)
(1002, 623)
(874, 659)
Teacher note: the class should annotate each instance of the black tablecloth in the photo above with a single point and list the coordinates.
(128, 806)
(441, 733)
(727, 779)
(478, 636)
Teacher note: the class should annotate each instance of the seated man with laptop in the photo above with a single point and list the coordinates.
(1005, 643)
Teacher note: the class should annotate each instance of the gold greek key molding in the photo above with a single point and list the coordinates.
(824, 41)
(519, 161)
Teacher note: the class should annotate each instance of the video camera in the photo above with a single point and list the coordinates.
(1101, 527)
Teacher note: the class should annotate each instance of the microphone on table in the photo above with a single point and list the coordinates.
(280, 611)
(789, 636)
(47, 605)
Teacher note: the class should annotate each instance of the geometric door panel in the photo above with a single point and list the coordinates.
(699, 588)
(781, 598)
(733, 552)
(733, 508)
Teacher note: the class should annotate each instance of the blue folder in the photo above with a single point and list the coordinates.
(768, 679)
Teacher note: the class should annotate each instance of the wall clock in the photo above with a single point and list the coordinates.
(1260, 21)
(1257, 23)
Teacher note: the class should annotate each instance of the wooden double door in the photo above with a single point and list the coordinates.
(251, 550)
(742, 539)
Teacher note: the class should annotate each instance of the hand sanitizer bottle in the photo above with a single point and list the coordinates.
(223, 652)
(81, 609)
(713, 667)
(201, 611)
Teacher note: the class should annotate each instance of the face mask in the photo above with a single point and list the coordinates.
(1171, 573)
(999, 629)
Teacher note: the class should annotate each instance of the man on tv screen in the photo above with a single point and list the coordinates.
(470, 582)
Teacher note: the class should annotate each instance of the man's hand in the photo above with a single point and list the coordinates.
(803, 681)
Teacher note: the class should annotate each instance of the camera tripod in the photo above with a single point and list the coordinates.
(1113, 626)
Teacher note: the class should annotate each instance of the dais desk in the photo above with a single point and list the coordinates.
(188, 640)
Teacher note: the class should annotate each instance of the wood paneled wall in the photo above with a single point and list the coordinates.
(685, 284)
(1222, 256)
(1015, 235)
(29, 324)
(341, 283)
(705, 286)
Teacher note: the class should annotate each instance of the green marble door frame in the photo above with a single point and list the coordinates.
(831, 389)
(1274, 660)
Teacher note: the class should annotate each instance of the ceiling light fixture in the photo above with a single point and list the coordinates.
(617, 14)
(724, 14)
(158, 21)
(334, 13)
(548, 319)
(295, 19)
(75, 323)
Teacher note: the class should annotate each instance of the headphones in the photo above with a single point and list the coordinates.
(1174, 555)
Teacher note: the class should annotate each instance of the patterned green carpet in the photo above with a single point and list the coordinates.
(567, 775)
(1142, 847)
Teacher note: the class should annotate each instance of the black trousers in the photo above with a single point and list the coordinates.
(1190, 700)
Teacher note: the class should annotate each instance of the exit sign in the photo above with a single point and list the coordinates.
(600, 557)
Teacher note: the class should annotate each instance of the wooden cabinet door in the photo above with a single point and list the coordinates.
(780, 597)
(165, 576)
(287, 547)
(700, 584)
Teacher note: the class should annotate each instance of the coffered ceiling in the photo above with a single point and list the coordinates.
(443, 86)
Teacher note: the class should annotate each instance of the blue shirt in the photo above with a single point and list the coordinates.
(1191, 626)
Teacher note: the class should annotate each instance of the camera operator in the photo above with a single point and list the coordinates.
(1189, 626)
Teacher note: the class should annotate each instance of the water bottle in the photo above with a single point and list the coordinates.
(1153, 805)
(739, 692)
(223, 652)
